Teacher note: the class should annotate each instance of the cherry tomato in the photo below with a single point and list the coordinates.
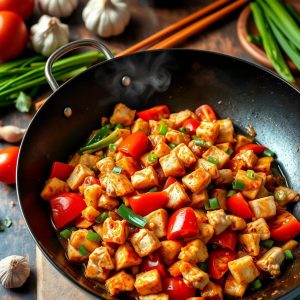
(65, 208)
(257, 149)
(226, 239)
(155, 113)
(8, 164)
(153, 261)
(176, 289)
(191, 125)
(24, 8)
(206, 113)
(61, 170)
(239, 206)
(135, 144)
(90, 180)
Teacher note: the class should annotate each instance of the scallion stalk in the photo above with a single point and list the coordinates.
(132, 218)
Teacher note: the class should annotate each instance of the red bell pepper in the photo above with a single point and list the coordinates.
(90, 180)
(226, 240)
(284, 227)
(176, 289)
(155, 113)
(65, 208)
(257, 149)
(238, 206)
(218, 262)
(153, 261)
(61, 170)
(144, 204)
(191, 125)
(182, 224)
(170, 180)
(135, 144)
(206, 113)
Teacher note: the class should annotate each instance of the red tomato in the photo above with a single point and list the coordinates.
(182, 224)
(89, 180)
(206, 113)
(155, 113)
(239, 206)
(176, 289)
(135, 144)
(65, 208)
(144, 204)
(24, 8)
(218, 262)
(226, 239)
(153, 261)
(257, 149)
(169, 181)
(8, 164)
(13, 35)
(61, 170)
(191, 125)
(284, 227)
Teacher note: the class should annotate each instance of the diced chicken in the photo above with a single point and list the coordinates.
(219, 220)
(161, 149)
(197, 180)
(284, 195)
(263, 207)
(169, 251)
(158, 222)
(212, 291)
(104, 180)
(177, 137)
(74, 159)
(197, 150)
(263, 192)
(225, 147)
(119, 283)
(144, 242)
(209, 167)
(88, 160)
(129, 165)
(174, 269)
(226, 131)
(90, 213)
(92, 194)
(140, 125)
(194, 252)
(271, 261)
(53, 187)
(237, 223)
(148, 282)
(122, 115)
(78, 238)
(155, 139)
(221, 156)
(83, 223)
(200, 215)
(126, 257)
(234, 288)
(155, 126)
(259, 226)
(144, 179)
(193, 275)
(114, 231)
(105, 165)
(250, 242)
(108, 203)
(208, 131)
(160, 296)
(180, 117)
(77, 176)
(263, 164)
(118, 185)
(243, 269)
(146, 159)
(206, 232)
(74, 255)
(248, 157)
(225, 177)
(242, 140)
(172, 165)
(198, 200)
(221, 196)
(177, 196)
(185, 155)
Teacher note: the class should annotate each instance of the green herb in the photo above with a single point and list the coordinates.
(183, 130)
(212, 204)
(238, 185)
(120, 126)
(256, 284)
(2, 228)
(112, 147)
(102, 217)
(93, 236)
(203, 266)
(172, 145)
(288, 254)
(201, 143)
(23, 102)
(152, 157)
(82, 250)
(250, 174)
(231, 193)
(117, 170)
(134, 219)
(195, 137)
(269, 153)
(255, 39)
(293, 12)
(154, 189)
(229, 151)
(213, 160)
(99, 135)
(7, 222)
(279, 195)
(163, 128)
(267, 244)
(66, 233)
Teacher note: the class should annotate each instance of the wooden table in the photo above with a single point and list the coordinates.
(146, 19)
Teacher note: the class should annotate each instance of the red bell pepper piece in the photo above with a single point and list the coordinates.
(144, 204)
(182, 224)
(218, 262)
(191, 125)
(239, 206)
(61, 170)
(176, 289)
(206, 113)
(170, 180)
(155, 113)
(153, 261)
(90, 180)
(135, 144)
(284, 227)
(65, 208)
(257, 149)
(226, 240)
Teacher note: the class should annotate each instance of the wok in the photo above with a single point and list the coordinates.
(179, 78)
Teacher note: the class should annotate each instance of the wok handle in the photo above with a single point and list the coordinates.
(67, 48)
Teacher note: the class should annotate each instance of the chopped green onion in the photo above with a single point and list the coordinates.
(163, 128)
(231, 193)
(154, 189)
(183, 130)
(238, 185)
(256, 284)
(1, 228)
(99, 135)
(229, 151)
(112, 147)
(172, 145)
(120, 126)
(211, 204)
(203, 266)
(66, 233)
(102, 217)
(132, 218)
(7, 222)
(195, 137)
(267, 244)
(202, 143)
(213, 160)
(117, 170)
(280, 195)
(82, 250)
(269, 153)
(256, 39)
(288, 254)
(93, 236)
(152, 157)
(250, 174)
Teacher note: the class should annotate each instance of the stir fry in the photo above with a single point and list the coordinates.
(161, 205)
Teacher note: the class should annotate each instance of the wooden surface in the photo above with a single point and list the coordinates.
(146, 19)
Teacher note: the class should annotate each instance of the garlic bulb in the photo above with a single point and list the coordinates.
(14, 271)
(48, 35)
(11, 134)
(106, 17)
(58, 8)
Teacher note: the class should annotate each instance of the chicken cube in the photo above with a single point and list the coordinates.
(78, 239)
(263, 207)
(221, 196)
(177, 196)
(206, 232)
(208, 131)
(198, 200)
(271, 261)
(221, 156)
(209, 167)
(88, 160)
(185, 155)
(74, 255)
(74, 160)
(155, 139)
(177, 137)
(105, 165)
(126, 257)
(250, 242)
(263, 164)
(129, 165)
(83, 223)
(118, 185)
(174, 269)
(114, 231)
(155, 126)
(140, 125)
(149, 159)
(144, 242)
(200, 215)
(243, 269)
(226, 131)
(197, 180)
(122, 115)
(248, 157)
(263, 192)
(144, 179)
(108, 203)
(284, 195)
(197, 150)
(194, 252)
(158, 222)
(53, 187)
(101, 257)
(148, 282)
(161, 149)
(260, 227)
(119, 283)
(160, 296)
(242, 140)
(169, 251)
(180, 117)
(90, 213)
(234, 288)
(225, 177)
(77, 176)
(212, 291)
(172, 165)
(92, 194)
(219, 220)
(237, 223)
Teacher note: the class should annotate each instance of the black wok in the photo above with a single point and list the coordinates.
(181, 79)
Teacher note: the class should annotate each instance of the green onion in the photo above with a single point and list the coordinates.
(172, 145)
(213, 160)
(82, 250)
(255, 39)
(66, 233)
(93, 236)
(183, 130)
(7, 222)
(154, 189)
(120, 126)
(2, 228)
(195, 137)
(102, 217)
(134, 219)
(201, 143)
(288, 254)
(112, 147)
(292, 12)
(163, 128)
(238, 185)
(203, 266)
(152, 157)
(250, 174)
(269, 153)
(267, 244)
(211, 204)
(256, 284)
(229, 151)
(117, 170)
(279, 195)
(231, 193)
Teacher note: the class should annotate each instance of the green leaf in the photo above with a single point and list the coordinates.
(23, 102)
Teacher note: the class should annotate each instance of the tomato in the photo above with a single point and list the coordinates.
(284, 227)
(239, 206)
(226, 239)
(182, 224)
(176, 289)
(135, 144)
(24, 8)
(257, 149)
(191, 125)
(218, 262)
(89, 180)
(61, 170)
(155, 113)
(8, 164)
(153, 261)
(65, 208)
(206, 113)
(144, 204)
(13, 35)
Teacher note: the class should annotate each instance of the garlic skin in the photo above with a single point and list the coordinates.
(106, 17)
(14, 271)
(48, 35)
(11, 134)
(58, 8)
